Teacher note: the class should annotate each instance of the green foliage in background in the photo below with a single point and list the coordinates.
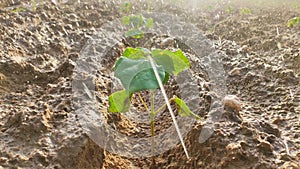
(125, 7)
(32, 8)
(136, 24)
(293, 22)
(245, 11)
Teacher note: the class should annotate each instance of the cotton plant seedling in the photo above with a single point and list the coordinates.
(245, 11)
(32, 8)
(136, 73)
(293, 22)
(229, 9)
(125, 7)
(136, 24)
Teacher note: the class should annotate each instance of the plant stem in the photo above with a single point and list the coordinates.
(144, 104)
(161, 107)
(151, 114)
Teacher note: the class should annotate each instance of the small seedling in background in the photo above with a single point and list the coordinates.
(293, 22)
(33, 8)
(20, 9)
(228, 9)
(125, 7)
(245, 11)
(33, 5)
(136, 24)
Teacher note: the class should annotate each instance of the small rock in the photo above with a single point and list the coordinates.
(279, 45)
(3, 160)
(2, 77)
(167, 42)
(44, 15)
(72, 16)
(233, 146)
(30, 105)
(265, 146)
(54, 2)
(68, 27)
(244, 49)
(277, 120)
(29, 92)
(235, 72)
(233, 102)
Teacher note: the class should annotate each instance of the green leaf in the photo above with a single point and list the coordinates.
(173, 62)
(119, 102)
(126, 20)
(137, 75)
(136, 20)
(183, 108)
(146, 51)
(125, 7)
(20, 9)
(292, 22)
(135, 53)
(138, 53)
(166, 78)
(228, 9)
(245, 11)
(134, 33)
(149, 23)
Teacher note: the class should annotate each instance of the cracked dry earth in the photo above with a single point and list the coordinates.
(39, 50)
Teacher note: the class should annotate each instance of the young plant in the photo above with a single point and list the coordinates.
(245, 11)
(20, 9)
(32, 9)
(293, 22)
(228, 9)
(136, 73)
(125, 7)
(136, 24)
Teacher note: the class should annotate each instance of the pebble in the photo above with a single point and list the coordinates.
(244, 49)
(233, 102)
(235, 72)
(167, 42)
(265, 146)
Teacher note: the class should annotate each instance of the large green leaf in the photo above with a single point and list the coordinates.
(137, 75)
(173, 62)
(138, 53)
(119, 102)
(183, 108)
